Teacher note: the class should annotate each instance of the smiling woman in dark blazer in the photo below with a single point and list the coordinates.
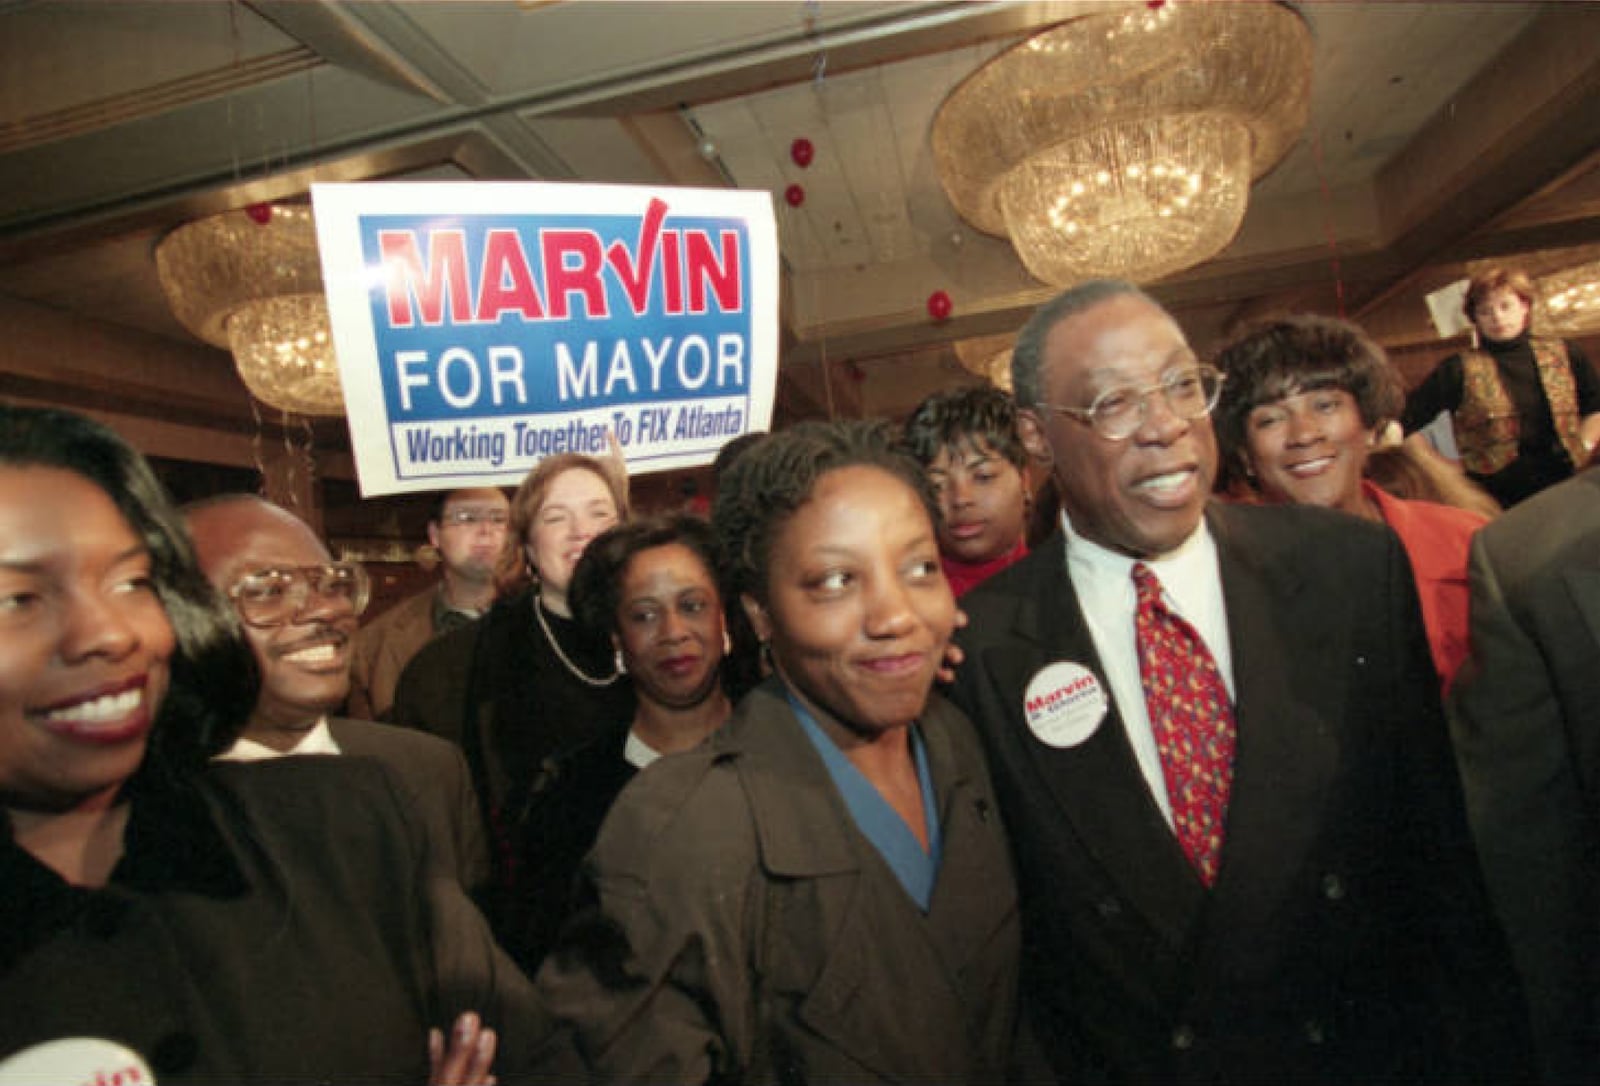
(280, 922)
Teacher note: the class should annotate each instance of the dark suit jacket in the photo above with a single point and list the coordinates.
(1348, 937)
(432, 775)
(277, 922)
(1526, 714)
(766, 938)
(549, 837)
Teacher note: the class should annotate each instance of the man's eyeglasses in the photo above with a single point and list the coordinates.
(1117, 413)
(471, 518)
(273, 597)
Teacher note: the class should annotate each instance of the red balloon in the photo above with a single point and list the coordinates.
(802, 152)
(939, 305)
(795, 195)
(261, 214)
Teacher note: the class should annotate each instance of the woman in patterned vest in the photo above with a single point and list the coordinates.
(1525, 408)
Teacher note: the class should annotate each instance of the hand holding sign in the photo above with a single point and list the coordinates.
(616, 461)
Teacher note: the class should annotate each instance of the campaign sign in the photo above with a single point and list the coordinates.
(482, 327)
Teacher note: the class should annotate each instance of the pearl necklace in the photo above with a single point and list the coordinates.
(577, 672)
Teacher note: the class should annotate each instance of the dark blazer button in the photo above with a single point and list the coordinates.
(174, 1054)
(1108, 907)
(982, 806)
(1332, 887)
(1183, 1038)
(1315, 1033)
(102, 915)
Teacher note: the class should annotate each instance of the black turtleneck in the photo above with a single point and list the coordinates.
(1541, 458)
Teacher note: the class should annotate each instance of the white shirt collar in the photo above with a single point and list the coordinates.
(1191, 582)
(1188, 572)
(317, 740)
(638, 753)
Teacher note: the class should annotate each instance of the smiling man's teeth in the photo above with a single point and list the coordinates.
(110, 707)
(1170, 481)
(316, 654)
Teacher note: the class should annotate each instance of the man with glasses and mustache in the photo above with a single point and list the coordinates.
(468, 529)
(1217, 743)
(299, 610)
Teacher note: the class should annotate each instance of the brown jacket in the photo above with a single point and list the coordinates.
(382, 650)
(751, 933)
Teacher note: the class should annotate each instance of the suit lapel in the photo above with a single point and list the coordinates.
(976, 891)
(798, 820)
(1583, 584)
(350, 738)
(1286, 752)
(1098, 784)
(806, 833)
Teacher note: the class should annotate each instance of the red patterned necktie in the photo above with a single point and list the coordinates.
(1192, 719)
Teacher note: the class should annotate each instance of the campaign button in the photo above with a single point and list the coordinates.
(76, 1059)
(1064, 704)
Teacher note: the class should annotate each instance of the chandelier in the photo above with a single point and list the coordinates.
(988, 357)
(251, 281)
(1124, 144)
(1571, 301)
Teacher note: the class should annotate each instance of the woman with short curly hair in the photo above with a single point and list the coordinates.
(1299, 416)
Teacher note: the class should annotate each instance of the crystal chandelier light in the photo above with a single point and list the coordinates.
(1124, 144)
(251, 281)
(1571, 301)
(988, 357)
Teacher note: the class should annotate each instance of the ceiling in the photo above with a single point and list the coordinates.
(1440, 134)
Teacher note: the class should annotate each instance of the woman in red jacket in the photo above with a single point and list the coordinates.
(1304, 400)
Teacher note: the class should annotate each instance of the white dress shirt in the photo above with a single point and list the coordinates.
(1191, 586)
(318, 740)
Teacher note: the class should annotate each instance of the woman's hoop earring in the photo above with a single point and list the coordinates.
(622, 665)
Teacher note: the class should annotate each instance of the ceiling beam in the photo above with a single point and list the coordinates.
(1532, 114)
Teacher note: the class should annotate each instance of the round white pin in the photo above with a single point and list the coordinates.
(92, 1060)
(1064, 704)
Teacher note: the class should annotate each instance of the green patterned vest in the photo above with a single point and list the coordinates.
(1486, 423)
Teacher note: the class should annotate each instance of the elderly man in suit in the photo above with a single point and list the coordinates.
(1217, 742)
(299, 609)
(468, 529)
(1526, 720)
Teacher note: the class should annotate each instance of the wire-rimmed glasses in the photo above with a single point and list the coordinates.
(1118, 412)
(471, 518)
(273, 597)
